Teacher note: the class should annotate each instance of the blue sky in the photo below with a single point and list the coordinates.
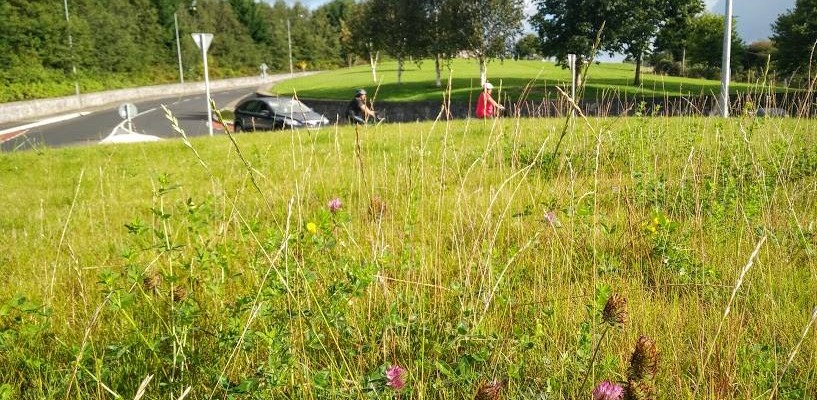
(754, 17)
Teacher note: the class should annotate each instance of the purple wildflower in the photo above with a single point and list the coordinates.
(607, 390)
(551, 218)
(394, 377)
(335, 205)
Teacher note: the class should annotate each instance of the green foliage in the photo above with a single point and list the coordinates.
(705, 43)
(527, 47)
(566, 27)
(673, 36)
(123, 43)
(758, 56)
(795, 34)
(628, 26)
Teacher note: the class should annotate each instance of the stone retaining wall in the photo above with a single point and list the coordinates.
(792, 105)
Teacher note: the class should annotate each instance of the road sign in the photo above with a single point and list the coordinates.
(203, 40)
(127, 110)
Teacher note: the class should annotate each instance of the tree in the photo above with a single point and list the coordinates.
(337, 14)
(619, 26)
(573, 27)
(491, 25)
(795, 35)
(248, 12)
(640, 25)
(232, 44)
(672, 37)
(445, 32)
(397, 27)
(758, 55)
(361, 38)
(580, 27)
(33, 33)
(706, 42)
(276, 53)
(527, 46)
(641, 20)
(113, 43)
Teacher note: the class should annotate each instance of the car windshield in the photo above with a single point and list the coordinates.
(289, 107)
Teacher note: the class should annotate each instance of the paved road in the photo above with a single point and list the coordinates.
(98, 124)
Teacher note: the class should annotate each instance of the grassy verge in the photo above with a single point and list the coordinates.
(463, 252)
(536, 79)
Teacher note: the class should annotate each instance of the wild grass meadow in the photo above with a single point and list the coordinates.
(673, 257)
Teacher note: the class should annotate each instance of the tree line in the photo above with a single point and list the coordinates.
(676, 37)
(135, 41)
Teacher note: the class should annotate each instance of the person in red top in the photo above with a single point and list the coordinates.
(486, 105)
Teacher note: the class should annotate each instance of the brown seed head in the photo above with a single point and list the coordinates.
(615, 311)
(152, 281)
(489, 390)
(377, 208)
(179, 293)
(644, 362)
(640, 390)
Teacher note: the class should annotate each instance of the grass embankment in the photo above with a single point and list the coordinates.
(462, 253)
(513, 77)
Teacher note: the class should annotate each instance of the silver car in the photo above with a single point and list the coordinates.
(266, 113)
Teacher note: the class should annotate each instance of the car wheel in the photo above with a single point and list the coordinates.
(237, 127)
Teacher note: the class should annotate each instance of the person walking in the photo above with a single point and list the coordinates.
(487, 107)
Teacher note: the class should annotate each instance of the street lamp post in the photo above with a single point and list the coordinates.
(725, 60)
(178, 49)
(71, 47)
(289, 40)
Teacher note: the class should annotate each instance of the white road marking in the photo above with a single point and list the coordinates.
(23, 128)
(121, 126)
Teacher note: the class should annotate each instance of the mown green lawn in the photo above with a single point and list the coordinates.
(464, 252)
(535, 78)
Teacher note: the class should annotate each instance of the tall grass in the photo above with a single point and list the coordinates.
(465, 252)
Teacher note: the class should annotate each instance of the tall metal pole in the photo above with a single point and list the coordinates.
(726, 60)
(71, 47)
(571, 59)
(289, 40)
(178, 49)
(206, 84)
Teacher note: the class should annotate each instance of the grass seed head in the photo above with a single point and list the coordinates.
(644, 362)
(152, 281)
(489, 390)
(179, 294)
(640, 390)
(615, 311)
(377, 208)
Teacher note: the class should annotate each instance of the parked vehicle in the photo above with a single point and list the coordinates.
(266, 113)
